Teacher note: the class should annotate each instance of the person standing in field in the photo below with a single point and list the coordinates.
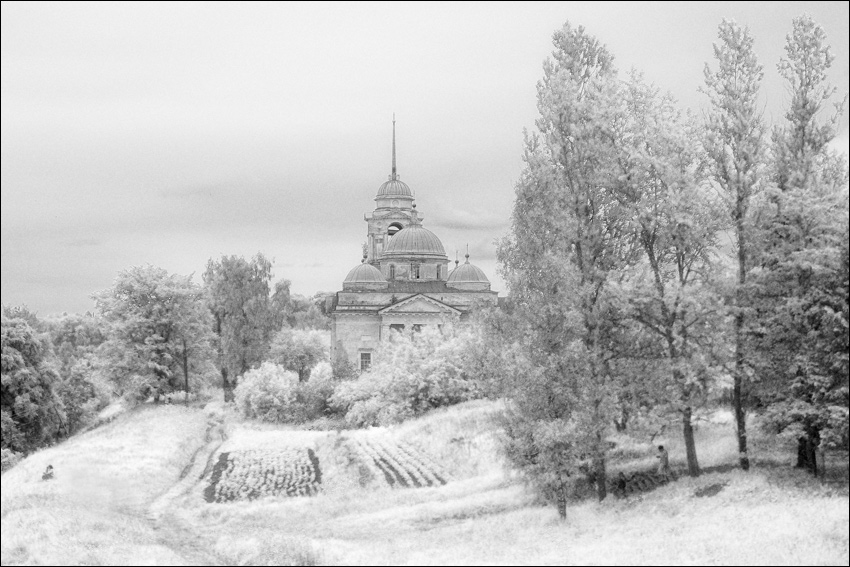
(663, 461)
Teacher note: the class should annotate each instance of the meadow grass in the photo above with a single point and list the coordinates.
(93, 511)
(485, 515)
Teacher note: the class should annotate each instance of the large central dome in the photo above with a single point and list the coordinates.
(415, 241)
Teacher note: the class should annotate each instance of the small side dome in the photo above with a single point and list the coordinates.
(365, 276)
(415, 241)
(468, 276)
(394, 188)
(364, 273)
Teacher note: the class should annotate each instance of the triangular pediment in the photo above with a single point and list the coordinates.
(420, 304)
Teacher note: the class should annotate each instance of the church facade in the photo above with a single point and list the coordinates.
(403, 282)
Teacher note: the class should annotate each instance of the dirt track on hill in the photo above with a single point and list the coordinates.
(172, 531)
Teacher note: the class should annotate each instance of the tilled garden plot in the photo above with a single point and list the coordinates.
(399, 464)
(252, 474)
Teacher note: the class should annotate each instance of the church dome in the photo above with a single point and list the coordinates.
(415, 241)
(364, 273)
(394, 188)
(467, 273)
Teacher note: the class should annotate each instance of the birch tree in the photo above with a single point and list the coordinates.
(675, 222)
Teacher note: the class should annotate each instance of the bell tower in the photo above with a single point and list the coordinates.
(394, 211)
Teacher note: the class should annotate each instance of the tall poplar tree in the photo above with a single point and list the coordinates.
(735, 146)
(566, 238)
(800, 290)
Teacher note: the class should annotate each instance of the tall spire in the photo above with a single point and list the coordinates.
(394, 175)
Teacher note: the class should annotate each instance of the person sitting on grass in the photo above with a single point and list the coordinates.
(48, 473)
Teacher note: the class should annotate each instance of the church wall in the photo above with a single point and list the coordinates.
(356, 333)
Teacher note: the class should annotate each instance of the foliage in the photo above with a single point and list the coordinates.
(8, 459)
(567, 238)
(412, 373)
(735, 147)
(669, 292)
(298, 350)
(159, 332)
(32, 413)
(800, 288)
(342, 367)
(269, 393)
(243, 314)
(314, 394)
(82, 387)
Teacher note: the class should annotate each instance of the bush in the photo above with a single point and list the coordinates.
(412, 374)
(8, 459)
(269, 393)
(315, 392)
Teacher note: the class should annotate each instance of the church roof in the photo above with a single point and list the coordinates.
(394, 187)
(414, 241)
(364, 273)
(467, 273)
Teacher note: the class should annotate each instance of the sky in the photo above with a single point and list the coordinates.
(175, 133)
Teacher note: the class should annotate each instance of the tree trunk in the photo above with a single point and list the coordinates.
(690, 446)
(562, 501)
(226, 386)
(599, 469)
(737, 394)
(811, 453)
(801, 453)
(185, 374)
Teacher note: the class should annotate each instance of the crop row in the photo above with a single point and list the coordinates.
(399, 464)
(248, 475)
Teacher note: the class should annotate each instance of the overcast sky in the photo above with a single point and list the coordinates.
(171, 133)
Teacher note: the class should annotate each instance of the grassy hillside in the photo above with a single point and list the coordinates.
(94, 511)
(772, 515)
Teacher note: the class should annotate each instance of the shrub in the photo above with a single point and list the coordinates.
(8, 459)
(412, 374)
(315, 392)
(268, 393)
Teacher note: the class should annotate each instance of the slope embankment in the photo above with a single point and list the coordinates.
(96, 509)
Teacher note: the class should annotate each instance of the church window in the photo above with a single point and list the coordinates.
(393, 228)
(439, 272)
(414, 271)
(392, 271)
(365, 361)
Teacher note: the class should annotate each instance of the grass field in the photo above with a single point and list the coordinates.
(97, 510)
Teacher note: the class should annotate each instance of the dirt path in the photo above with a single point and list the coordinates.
(174, 532)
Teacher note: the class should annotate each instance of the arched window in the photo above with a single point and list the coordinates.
(392, 271)
(393, 228)
(414, 271)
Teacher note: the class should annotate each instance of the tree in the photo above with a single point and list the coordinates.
(75, 340)
(32, 413)
(735, 147)
(298, 351)
(566, 239)
(800, 286)
(675, 225)
(243, 321)
(159, 331)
